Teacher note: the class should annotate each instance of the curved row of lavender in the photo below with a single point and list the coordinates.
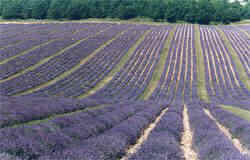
(237, 126)
(98, 129)
(53, 68)
(43, 34)
(15, 34)
(179, 78)
(11, 46)
(222, 79)
(21, 38)
(133, 78)
(240, 43)
(92, 72)
(107, 132)
(60, 133)
(53, 43)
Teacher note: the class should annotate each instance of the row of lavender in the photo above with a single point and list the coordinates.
(18, 33)
(222, 79)
(107, 132)
(18, 110)
(30, 33)
(89, 74)
(61, 63)
(182, 68)
(133, 78)
(209, 142)
(112, 137)
(47, 46)
(41, 35)
(63, 134)
(178, 80)
(240, 44)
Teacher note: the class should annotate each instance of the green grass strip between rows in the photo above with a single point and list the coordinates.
(49, 58)
(54, 116)
(159, 67)
(118, 67)
(27, 51)
(239, 67)
(245, 114)
(72, 70)
(201, 82)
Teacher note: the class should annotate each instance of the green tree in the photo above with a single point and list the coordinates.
(126, 12)
(191, 11)
(77, 9)
(201, 11)
(12, 9)
(171, 13)
(58, 9)
(246, 11)
(40, 8)
(157, 10)
(235, 12)
(205, 10)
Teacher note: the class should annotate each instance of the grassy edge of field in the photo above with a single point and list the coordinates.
(117, 68)
(201, 82)
(88, 20)
(242, 22)
(159, 67)
(239, 67)
(245, 114)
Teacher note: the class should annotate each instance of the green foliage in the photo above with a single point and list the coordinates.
(246, 11)
(192, 11)
(57, 9)
(127, 12)
(40, 8)
(205, 10)
(2, 3)
(12, 9)
(77, 9)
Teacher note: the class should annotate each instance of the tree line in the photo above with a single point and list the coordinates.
(192, 11)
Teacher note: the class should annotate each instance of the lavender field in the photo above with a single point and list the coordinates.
(111, 91)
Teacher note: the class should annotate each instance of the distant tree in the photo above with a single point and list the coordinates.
(2, 3)
(97, 9)
(205, 10)
(171, 13)
(12, 9)
(126, 12)
(191, 13)
(246, 11)
(26, 8)
(58, 9)
(77, 9)
(157, 10)
(145, 9)
(40, 8)
(235, 11)
(113, 8)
